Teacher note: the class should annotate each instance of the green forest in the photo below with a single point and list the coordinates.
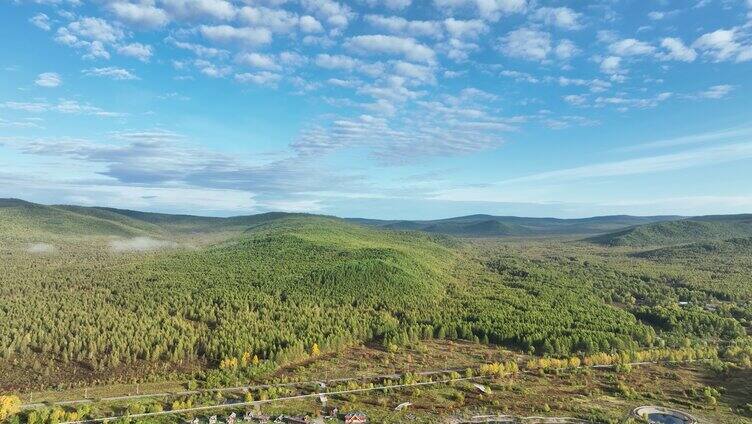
(93, 295)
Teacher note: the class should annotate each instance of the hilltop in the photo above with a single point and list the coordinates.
(708, 228)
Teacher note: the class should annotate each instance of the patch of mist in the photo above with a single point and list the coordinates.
(141, 244)
(41, 248)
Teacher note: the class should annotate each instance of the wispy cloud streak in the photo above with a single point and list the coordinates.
(645, 165)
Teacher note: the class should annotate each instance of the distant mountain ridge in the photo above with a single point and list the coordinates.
(497, 226)
(22, 217)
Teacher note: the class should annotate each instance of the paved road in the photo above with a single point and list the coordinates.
(303, 396)
(230, 389)
(281, 399)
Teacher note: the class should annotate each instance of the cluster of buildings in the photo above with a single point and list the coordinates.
(251, 417)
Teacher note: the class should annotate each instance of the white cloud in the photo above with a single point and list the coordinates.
(390, 4)
(309, 24)
(566, 49)
(473, 28)
(26, 106)
(575, 99)
(96, 29)
(611, 65)
(90, 34)
(110, 72)
(48, 79)
(196, 9)
(140, 244)
(656, 16)
(144, 14)
(41, 21)
(242, 35)
(259, 78)
(722, 45)
(139, 51)
(487, 9)
(733, 134)
(393, 45)
(624, 103)
(418, 73)
(26, 123)
(677, 50)
(630, 47)
(716, 91)
(277, 20)
(198, 49)
(211, 69)
(520, 76)
(63, 106)
(526, 43)
(646, 165)
(401, 26)
(328, 61)
(40, 248)
(562, 17)
(334, 14)
(595, 85)
(258, 60)
(292, 59)
(458, 50)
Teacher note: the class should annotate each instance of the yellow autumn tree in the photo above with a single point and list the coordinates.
(315, 351)
(245, 359)
(9, 406)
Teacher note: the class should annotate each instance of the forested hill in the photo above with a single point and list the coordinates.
(21, 219)
(495, 226)
(28, 220)
(143, 294)
(741, 246)
(271, 291)
(699, 229)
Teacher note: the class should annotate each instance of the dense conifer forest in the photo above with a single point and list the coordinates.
(96, 295)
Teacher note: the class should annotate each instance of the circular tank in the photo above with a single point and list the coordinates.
(661, 415)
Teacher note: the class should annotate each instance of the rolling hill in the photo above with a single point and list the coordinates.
(34, 219)
(499, 226)
(24, 219)
(682, 231)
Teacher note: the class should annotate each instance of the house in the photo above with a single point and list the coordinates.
(296, 420)
(331, 412)
(356, 418)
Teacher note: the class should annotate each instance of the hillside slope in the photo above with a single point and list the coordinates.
(273, 291)
(733, 247)
(23, 220)
(679, 232)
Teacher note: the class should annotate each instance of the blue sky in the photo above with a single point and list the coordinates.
(379, 108)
